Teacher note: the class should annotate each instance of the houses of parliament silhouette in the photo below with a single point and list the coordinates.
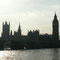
(33, 40)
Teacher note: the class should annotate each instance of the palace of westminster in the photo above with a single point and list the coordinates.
(33, 40)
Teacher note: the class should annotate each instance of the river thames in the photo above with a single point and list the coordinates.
(41, 54)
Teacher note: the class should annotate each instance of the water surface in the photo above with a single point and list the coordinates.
(41, 54)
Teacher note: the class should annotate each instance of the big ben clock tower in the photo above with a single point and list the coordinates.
(55, 28)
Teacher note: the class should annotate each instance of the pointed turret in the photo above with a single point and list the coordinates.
(19, 26)
(19, 30)
(55, 17)
(6, 22)
(11, 32)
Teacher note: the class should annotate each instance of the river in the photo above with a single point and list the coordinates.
(41, 54)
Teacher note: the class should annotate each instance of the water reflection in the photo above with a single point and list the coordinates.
(42, 54)
(55, 54)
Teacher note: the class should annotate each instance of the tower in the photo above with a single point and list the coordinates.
(6, 30)
(55, 28)
(19, 31)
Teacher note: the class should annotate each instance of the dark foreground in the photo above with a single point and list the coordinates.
(18, 45)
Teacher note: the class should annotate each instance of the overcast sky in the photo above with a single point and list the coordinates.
(31, 14)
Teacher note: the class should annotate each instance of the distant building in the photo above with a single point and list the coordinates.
(18, 33)
(34, 33)
(33, 40)
(55, 28)
(6, 30)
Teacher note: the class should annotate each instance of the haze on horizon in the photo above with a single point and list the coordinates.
(31, 14)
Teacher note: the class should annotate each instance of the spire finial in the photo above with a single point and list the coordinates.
(11, 32)
(55, 14)
(55, 17)
(19, 25)
(5, 22)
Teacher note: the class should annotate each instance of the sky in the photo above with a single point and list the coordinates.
(31, 14)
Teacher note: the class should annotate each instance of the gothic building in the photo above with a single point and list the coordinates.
(55, 28)
(18, 33)
(33, 40)
(6, 30)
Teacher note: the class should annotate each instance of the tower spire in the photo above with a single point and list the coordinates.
(19, 27)
(11, 32)
(19, 30)
(55, 17)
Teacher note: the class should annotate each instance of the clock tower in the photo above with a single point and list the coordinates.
(55, 28)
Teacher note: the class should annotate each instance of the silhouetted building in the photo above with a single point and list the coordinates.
(18, 33)
(6, 30)
(33, 40)
(55, 28)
